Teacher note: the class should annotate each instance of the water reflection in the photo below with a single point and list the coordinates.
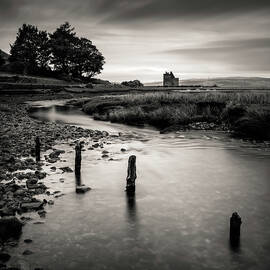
(200, 178)
(131, 207)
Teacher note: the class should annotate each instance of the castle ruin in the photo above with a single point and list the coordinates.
(170, 80)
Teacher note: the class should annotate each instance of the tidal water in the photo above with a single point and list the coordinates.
(188, 185)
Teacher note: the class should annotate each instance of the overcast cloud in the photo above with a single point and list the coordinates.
(141, 39)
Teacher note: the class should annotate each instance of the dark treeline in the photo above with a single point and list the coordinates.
(61, 54)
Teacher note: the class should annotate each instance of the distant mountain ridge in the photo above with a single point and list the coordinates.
(224, 82)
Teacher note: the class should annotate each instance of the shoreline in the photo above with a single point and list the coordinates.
(22, 179)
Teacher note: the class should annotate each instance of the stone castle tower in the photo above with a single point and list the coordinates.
(170, 80)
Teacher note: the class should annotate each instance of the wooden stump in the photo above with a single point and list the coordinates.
(78, 159)
(37, 149)
(235, 225)
(131, 175)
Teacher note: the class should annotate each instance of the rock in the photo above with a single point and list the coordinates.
(7, 211)
(27, 252)
(56, 153)
(10, 227)
(82, 189)
(23, 218)
(31, 183)
(105, 152)
(66, 169)
(4, 257)
(32, 206)
(123, 150)
(104, 156)
(40, 175)
(96, 145)
(20, 192)
(62, 180)
(53, 168)
(52, 160)
(50, 202)
(42, 213)
(28, 241)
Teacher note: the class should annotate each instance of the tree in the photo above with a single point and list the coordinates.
(87, 61)
(43, 50)
(30, 49)
(135, 83)
(74, 56)
(62, 43)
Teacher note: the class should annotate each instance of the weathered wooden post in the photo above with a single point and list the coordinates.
(78, 158)
(37, 150)
(131, 175)
(235, 224)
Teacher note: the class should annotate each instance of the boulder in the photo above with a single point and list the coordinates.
(10, 227)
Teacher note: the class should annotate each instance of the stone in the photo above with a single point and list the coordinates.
(4, 257)
(32, 206)
(42, 213)
(10, 227)
(23, 218)
(28, 241)
(19, 192)
(66, 169)
(82, 189)
(50, 202)
(56, 153)
(53, 168)
(31, 183)
(123, 150)
(7, 211)
(27, 252)
(40, 175)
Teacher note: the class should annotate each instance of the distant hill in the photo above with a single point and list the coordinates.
(256, 82)
(4, 54)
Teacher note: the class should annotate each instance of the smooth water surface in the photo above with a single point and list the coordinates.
(188, 185)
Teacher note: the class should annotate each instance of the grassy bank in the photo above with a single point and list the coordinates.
(246, 114)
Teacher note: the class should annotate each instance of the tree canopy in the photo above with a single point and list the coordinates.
(61, 53)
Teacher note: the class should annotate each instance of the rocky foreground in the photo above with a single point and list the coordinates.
(20, 175)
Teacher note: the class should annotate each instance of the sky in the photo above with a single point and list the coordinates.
(141, 39)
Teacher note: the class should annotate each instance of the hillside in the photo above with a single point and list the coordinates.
(256, 82)
(4, 54)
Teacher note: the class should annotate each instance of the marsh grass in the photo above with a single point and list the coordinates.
(243, 113)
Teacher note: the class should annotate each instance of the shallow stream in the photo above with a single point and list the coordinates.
(188, 185)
